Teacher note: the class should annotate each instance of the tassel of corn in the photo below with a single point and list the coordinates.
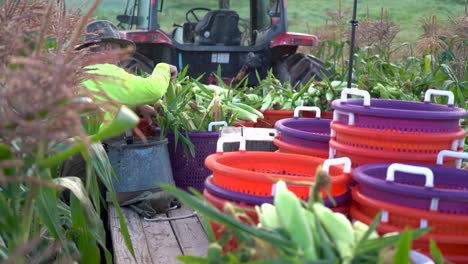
(292, 218)
(338, 228)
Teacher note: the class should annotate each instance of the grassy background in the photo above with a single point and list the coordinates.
(306, 16)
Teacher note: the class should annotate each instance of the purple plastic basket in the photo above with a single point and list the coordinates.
(413, 186)
(306, 132)
(191, 171)
(398, 115)
(258, 200)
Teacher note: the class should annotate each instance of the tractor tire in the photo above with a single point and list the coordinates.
(138, 64)
(298, 68)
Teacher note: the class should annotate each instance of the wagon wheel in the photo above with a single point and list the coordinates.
(298, 68)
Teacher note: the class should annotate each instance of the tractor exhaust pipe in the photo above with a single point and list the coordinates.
(354, 24)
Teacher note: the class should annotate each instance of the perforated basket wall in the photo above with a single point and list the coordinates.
(284, 147)
(362, 156)
(396, 115)
(191, 171)
(447, 227)
(307, 132)
(256, 172)
(258, 200)
(448, 231)
(443, 189)
(396, 141)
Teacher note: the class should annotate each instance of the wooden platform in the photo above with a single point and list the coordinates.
(158, 242)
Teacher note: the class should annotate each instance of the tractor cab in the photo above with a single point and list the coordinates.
(242, 37)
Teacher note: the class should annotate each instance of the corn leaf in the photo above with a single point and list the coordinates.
(435, 253)
(402, 254)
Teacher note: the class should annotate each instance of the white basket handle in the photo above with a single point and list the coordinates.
(222, 140)
(331, 153)
(454, 154)
(307, 108)
(337, 161)
(427, 95)
(355, 91)
(336, 113)
(216, 123)
(410, 169)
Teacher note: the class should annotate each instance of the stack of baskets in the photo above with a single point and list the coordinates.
(417, 196)
(375, 131)
(306, 136)
(247, 178)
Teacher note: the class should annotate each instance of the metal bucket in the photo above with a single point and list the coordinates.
(140, 165)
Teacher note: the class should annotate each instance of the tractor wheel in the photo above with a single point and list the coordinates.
(138, 64)
(298, 68)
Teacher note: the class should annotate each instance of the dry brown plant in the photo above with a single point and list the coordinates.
(378, 33)
(41, 99)
(430, 41)
(458, 38)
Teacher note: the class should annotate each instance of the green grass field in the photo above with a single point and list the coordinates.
(306, 16)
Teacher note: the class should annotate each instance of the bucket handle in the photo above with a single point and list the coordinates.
(410, 169)
(216, 123)
(355, 91)
(454, 154)
(307, 108)
(337, 161)
(222, 140)
(449, 94)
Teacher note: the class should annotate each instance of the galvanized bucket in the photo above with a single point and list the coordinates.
(140, 165)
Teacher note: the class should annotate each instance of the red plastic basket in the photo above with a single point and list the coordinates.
(271, 116)
(397, 141)
(243, 123)
(297, 149)
(446, 228)
(256, 172)
(452, 251)
(360, 156)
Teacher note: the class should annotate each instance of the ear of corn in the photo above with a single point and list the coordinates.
(338, 228)
(292, 217)
(360, 229)
(268, 216)
(248, 108)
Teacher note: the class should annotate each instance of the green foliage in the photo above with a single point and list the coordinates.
(266, 244)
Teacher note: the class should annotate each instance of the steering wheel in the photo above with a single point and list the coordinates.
(192, 12)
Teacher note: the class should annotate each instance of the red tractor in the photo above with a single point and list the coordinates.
(242, 38)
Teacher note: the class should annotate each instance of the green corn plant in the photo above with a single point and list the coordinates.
(45, 121)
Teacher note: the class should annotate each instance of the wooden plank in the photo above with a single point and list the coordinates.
(190, 233)
(161, 241)
(135, 228)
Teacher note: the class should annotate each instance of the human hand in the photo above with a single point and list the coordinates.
(173, 71)
(147, 112)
